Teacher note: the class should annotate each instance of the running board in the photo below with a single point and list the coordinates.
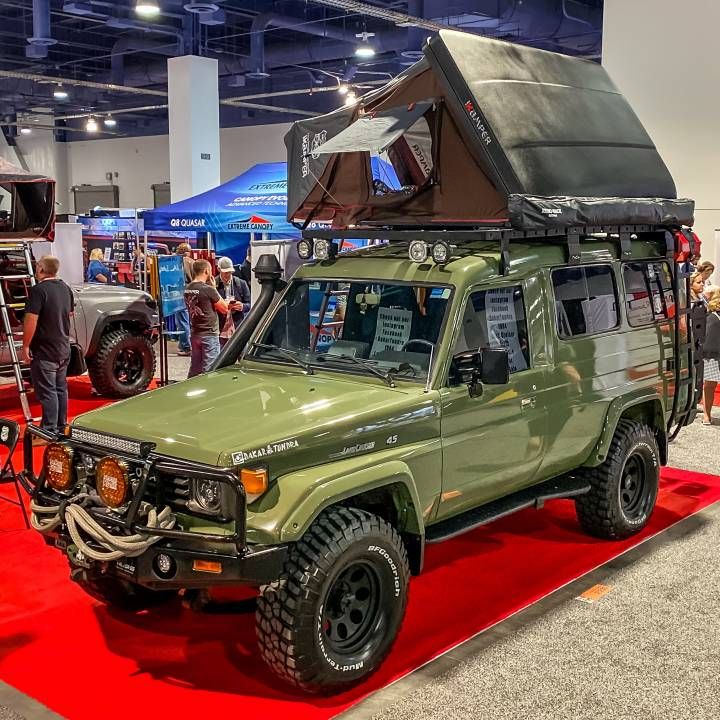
(535, 496)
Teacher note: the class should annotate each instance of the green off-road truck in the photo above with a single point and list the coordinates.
(394, 395)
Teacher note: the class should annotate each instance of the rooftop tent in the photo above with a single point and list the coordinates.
(485, 132)
(254, 202)
(31, 210)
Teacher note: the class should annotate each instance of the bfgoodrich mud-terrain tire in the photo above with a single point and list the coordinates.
(119, 593)
(624, 488)
(124, 364)
(333, 615)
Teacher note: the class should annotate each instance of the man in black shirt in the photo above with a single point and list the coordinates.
(46, 342)
(204, 303)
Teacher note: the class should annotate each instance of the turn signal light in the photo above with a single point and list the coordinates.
(57, 465)
(208, 566)
(111, 481)
(254, 480)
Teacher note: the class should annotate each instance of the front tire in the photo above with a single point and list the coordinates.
(124, 364)
(332, 616)
(623, 490)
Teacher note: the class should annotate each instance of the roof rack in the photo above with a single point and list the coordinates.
(503, 235)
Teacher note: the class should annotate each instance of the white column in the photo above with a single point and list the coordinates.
(663, 56)
(194, 115)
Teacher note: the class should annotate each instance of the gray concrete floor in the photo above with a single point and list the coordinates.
(648, 649)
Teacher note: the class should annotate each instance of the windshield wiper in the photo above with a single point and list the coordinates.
(307, 367)
(361, 362)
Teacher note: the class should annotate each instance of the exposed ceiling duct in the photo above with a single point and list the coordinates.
(130, 44)
(41, 38)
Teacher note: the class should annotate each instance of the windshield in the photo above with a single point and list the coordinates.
(389, 330)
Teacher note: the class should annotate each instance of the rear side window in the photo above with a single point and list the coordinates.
(648, 292)
(585, 300)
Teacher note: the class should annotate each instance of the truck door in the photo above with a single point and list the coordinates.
(493, 443)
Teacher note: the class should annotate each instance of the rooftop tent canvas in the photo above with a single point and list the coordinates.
(31, 210)
(508, 135)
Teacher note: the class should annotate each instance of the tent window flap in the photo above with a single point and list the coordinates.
(374, 133)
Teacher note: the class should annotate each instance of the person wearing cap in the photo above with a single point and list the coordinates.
(236, 293)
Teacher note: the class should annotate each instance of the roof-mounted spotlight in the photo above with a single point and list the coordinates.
(418, 251)
(442, 252)
(324, 249)
(304, 249)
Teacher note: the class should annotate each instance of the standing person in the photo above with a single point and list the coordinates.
(182, 321)
(706, 269)
(97, 271)
(245, 271)
(697, 287)
(46, 342)
(237, 294)
(138, 266)
(711, 354)
(203, 303)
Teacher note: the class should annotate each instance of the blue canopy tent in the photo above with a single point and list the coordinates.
(252, 203)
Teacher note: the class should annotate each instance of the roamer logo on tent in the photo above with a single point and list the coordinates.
(254, 222)
(478, 123)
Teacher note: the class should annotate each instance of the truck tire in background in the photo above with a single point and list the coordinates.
(623, 490)
(123, 365)
(332, 616)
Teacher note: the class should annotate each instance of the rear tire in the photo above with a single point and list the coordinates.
(332, 616)
(623, 490)
(124, 364)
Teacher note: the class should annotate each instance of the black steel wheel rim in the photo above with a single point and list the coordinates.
(352, 610)
(634, 488)
(128, 366)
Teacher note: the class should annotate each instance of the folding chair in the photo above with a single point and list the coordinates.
(9, 434)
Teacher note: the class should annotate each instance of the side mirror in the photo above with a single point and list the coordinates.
(495, 366)
(475, 368)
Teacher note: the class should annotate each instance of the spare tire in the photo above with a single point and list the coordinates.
(124, 364)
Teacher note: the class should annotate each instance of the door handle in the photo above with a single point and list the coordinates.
(528, 402)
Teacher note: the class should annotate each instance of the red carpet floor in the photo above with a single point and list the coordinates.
(87, 661)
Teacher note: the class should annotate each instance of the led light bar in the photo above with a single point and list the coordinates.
(131, 447)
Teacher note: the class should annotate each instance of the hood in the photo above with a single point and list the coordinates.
(240, 414)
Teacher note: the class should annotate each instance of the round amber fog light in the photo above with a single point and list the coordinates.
(57, 465)
(111, 481)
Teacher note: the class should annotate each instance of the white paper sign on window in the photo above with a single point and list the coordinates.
(502, 325)
(393, 330)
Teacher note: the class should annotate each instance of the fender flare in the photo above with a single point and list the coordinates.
(312, 500)
(618, 407)
(111, 317)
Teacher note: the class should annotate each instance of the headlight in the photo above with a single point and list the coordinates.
(112, 481)
(58, 466)
(207, 494)
(305, 249)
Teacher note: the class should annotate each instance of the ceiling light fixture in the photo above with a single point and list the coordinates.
(25, 131)
(91, 125)
(350, 98)
(364, 50)
(343, 89)
(59, 93)
(110, 121)
(147, 8)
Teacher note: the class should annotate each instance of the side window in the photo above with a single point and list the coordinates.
(585, 300)
(648, 292)
(496, 319)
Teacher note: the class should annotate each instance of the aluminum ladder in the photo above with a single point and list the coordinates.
(22, 246)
